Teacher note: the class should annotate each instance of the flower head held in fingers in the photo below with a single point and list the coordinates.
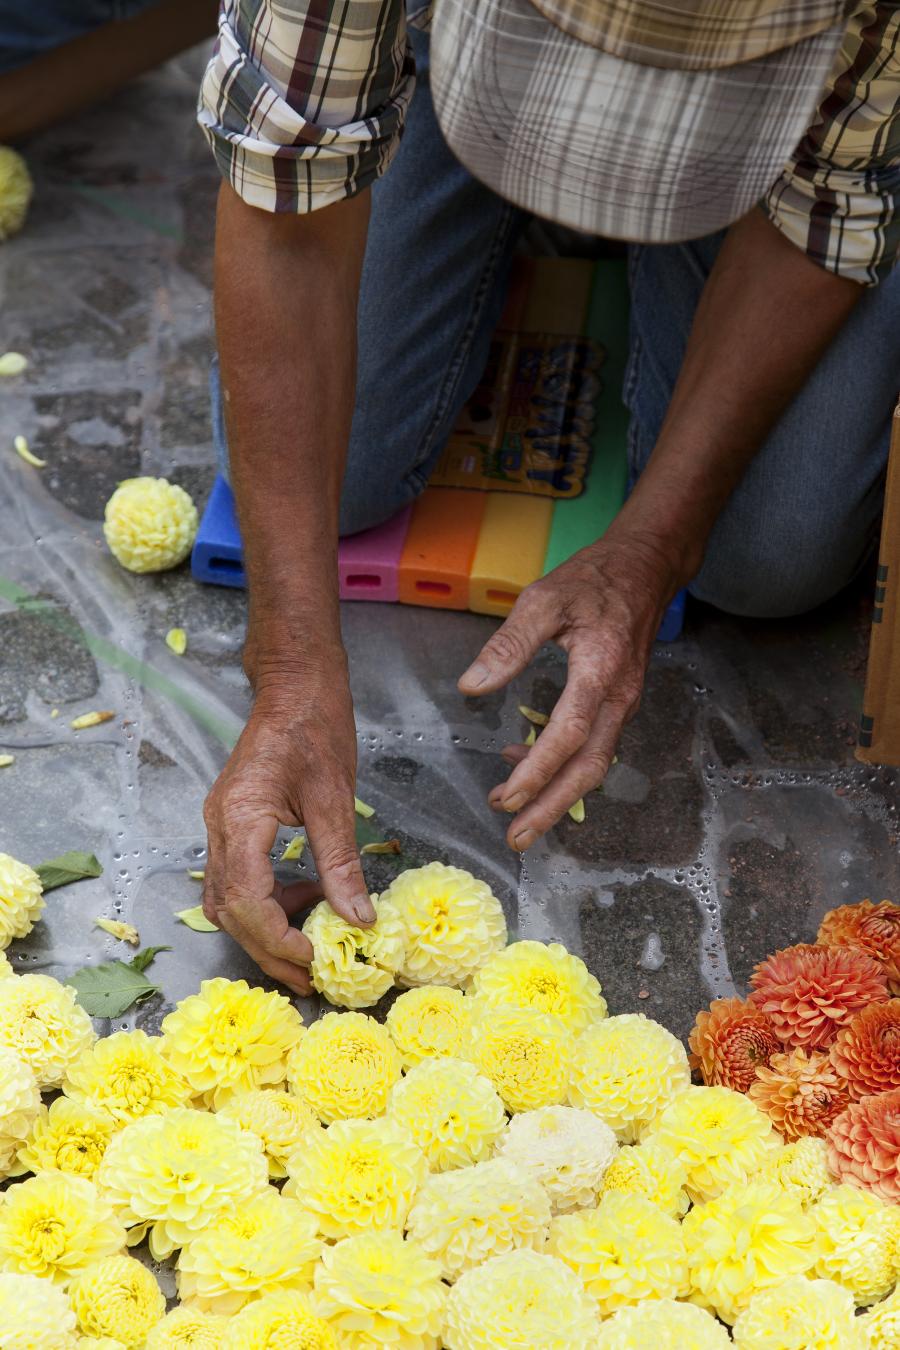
(344, 1067)
(544, 976)
(625, 1069)
(429, 1021)
(351, 966)
(127, 1075)
(451, 921)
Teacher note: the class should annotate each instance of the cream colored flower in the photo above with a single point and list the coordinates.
(526, 1055)
(462, 1218)
(857, 1242)
(175, 1174)
(522, 1299)
(34, 1315)
(881, 1324)
(20, 1103)
(452, 924)
(663, 1324)
(625, 1069)
(55, 1225)
(652, 1170)
(21, 899)
(267, 1242)
(544, 976)
(41, 1023)
(353, 967)
(100, 1343)
(118, 1297)
(6, 970)
(344, 1067)
(16, 189)
(800, 1314)
(281, 1319)
(229, 1038)
(127, 1075)
(357, 1176)
(189, 1329)
(149, 524)
(377, 1289)
(567, 1150)
(280, 1121)
(719, 1135)
(451, 1111)
(801, 1167)
(66, 1137)
(427, 1022)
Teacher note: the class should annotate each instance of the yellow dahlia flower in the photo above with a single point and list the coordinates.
(268, 1242)
(451, 1110)
(280, 1121)
(462, 1218)
(16, 189)
(625, 1069)
(857, 1242)
(753, 1236)
(803, 1167)
(719, 1135)
(663, 1324)
(34, 1315)
(118, 1297)
(66, 1137)
(353, 967)
(524, 1299)
(149, 524)
(188, 1329)
(6, 970)
(127, 1075)
(567, 1150)
(21, 899)
(20, 1103)
(652, 1170)
(623, 1251)
(452, 924)
(377, 1289)
(543, 976)
(176, 1174)
(881, 1324)
(800, 1314)
(41, 1022)
(280, 1320)
(428, 1022)
(344, 1067)
(230, 1037)
(356, 1176)
(55, 1225)
(526, 1055)
(99, 1343)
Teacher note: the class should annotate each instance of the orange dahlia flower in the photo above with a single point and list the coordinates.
(866, 1053)
(864, 1145)
(800, 1093)
(729, 1043)
(810, 992)
(875, 928)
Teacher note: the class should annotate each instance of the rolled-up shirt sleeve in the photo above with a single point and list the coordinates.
(303, 101)
(838, 198)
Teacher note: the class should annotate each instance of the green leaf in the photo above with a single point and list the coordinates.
(143, 959)
(69, 867)
(111, 988)
(196, 919)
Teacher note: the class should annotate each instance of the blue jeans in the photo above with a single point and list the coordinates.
(805, 517)
(35, 26)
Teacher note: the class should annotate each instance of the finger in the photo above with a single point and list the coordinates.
(214, 872)
(531, 622)
(248, 908)
(331, 830)
(514, 754)
(297, 895)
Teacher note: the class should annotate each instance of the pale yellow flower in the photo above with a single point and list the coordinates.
(462, 1218)
(21, 899)
(344, 1067)
(6, 970)
(857, 1242)
(280, 1121)
(127, 1075)
(280, 1321)
(378, 1289)
(353, 967)
(752, 1236)
(881, 1324)
(230, 1037)
(428, 1022)
(175, 1174)
(16, 189)
(625, 1069)
(800, 1314)
(663, 1324)
(544, 976)
(188, 1329)
(566, 1149)
(526, 1055)
(34, 1315)
(523, 1299)
(55, 1225)
(357, 1176)
(100, 1343)
(268, 1242)
(149, 524)
(20, 1103)
(801, 1166)
(650, 1169)
(452, 924)
(41, 1022)
(450, 1109)
(719, 1135)
(66, 1137)
(117, 1297)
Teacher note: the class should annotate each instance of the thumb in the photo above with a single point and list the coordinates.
(530, 623)
(331, 830)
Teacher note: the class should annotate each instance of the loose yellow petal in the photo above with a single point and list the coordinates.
(54, 712)
(6, 760)
(361, 808)
(538, 718)
(176, 641)
(91, 719)
(123, 931)
(294, 849)
(196, 919)
(531, 737)
(12, 363)
(576, 811)
(388, 846)
(21, 448)
(196, 876)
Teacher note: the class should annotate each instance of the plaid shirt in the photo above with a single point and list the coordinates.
(303, 103)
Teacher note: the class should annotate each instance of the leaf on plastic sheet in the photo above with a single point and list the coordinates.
(111, 988)
(531, 737)
(361, 809)
(143, 959)
(537, 719)
(68, 867)
(576, 811)
(294, 849)
(386, 846)
(196, 919)
(125, 932)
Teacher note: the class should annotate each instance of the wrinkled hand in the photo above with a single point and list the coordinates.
(603, 607)
(294, 764)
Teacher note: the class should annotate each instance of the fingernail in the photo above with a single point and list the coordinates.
(476, 675)
(364, 910)
(524, 839)
(515, 802)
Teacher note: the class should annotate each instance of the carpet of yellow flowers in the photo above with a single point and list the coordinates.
(499, 1165)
